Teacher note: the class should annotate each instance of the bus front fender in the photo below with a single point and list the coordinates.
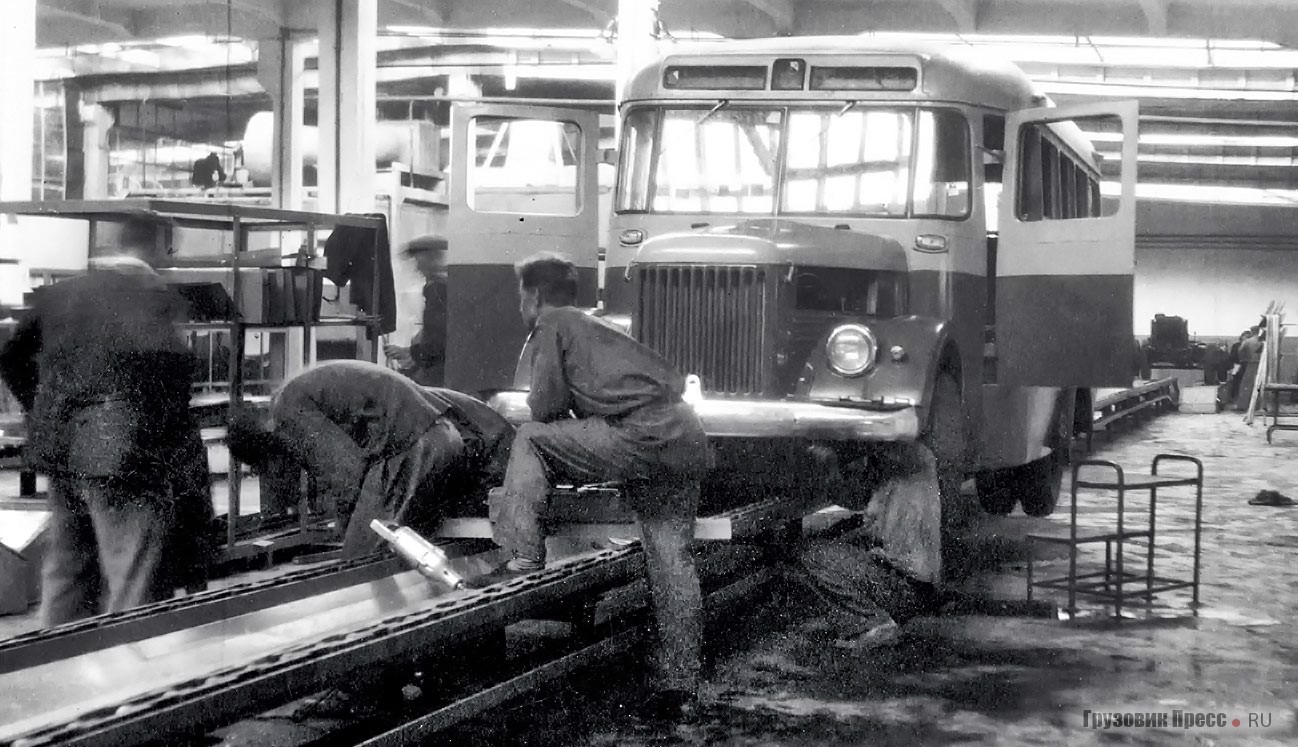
(909, 355)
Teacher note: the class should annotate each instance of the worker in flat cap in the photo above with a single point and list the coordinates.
(424, 359)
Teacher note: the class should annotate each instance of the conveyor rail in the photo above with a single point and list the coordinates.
(138, 692)
(103, 631)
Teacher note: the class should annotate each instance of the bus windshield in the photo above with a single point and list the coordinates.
(841, 160)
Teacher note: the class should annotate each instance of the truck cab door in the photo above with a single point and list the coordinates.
(1066, 255)
(522, 181)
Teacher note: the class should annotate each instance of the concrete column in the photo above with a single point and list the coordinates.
(636, 44)
(95, 123)
(281, 63)
(17, 58)
(348, 57)
(17, 91)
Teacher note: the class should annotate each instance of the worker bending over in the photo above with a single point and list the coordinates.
(344, 421)
(607, 408)
(99, 366)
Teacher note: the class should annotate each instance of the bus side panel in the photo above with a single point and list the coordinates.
(1017, 424)
(1065, 257)
(499, 215)
(1090, 320)
(485, 332)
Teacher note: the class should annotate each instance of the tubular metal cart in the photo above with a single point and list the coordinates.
(1114, 583)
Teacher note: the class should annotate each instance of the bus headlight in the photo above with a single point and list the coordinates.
(851, 350)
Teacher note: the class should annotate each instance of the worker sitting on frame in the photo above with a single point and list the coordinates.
(607, 408)
(346, 421)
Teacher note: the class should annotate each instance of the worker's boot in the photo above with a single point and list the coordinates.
(507, 571)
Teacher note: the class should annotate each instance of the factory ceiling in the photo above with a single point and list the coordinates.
(1216, 78)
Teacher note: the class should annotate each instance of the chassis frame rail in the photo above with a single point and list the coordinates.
(1114, 408)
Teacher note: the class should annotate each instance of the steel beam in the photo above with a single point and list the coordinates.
(107, 631)
(197, 680)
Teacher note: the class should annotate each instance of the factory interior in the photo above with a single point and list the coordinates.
(646, 372)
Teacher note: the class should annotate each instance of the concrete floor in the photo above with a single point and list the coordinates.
(780, 679)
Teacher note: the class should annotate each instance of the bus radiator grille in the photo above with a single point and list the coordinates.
(708, 320)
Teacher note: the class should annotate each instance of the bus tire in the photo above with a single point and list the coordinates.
(995, 492)
(1041, 492)
(1035, 485)
(945, 437)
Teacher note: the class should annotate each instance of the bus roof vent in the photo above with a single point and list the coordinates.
(715, 77)
(856, 78)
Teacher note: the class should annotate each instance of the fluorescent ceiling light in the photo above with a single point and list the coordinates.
(1260, 162)
(1206, 193)
(1163, 92)
(1225, 141)
(1117, 51)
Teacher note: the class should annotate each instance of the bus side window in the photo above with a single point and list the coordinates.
(1031, 200)
(993, 140)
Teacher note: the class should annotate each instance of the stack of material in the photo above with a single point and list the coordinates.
(1200, 399)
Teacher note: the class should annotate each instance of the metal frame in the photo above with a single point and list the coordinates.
(215, 697)
(1112, 408)
(569, 518)
(64, 641)
(1110, 583)
(240, 220)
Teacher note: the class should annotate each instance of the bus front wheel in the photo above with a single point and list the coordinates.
(945, 437)
(1035, 485)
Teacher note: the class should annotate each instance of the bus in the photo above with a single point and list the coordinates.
(846, 244)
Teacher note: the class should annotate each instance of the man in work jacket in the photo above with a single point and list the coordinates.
(343, 421)
(99, 366)
(607, 408)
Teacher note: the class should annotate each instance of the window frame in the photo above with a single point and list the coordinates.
(786, 109)
(471, 188)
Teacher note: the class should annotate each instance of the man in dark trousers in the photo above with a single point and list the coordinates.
(607, 408)
(424, 360)
(344, 421)
(100, 368)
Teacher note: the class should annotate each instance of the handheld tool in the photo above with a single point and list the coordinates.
(429, 559)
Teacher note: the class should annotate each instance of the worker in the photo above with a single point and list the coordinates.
(1250, 356)
(607, 408)
(99, 366)
(207, 172)
(346, 421)
(424, 360)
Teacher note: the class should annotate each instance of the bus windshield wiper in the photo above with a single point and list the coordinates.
(722, 104)
(849, 106)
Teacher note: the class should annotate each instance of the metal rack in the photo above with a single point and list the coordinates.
(240, 221)
(1112, 584)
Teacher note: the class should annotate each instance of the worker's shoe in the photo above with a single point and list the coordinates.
(507, 571)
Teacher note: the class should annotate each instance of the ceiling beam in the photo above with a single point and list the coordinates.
(592, 9)
(1155, 16)
(267, 10)
(46, 10)
(782, 13)
(963, 12)
(432, 11)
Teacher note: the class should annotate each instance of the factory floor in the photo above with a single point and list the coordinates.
(780, 677)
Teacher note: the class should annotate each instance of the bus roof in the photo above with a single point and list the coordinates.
(948, 72)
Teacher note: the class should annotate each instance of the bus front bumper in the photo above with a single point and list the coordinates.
(749, 419)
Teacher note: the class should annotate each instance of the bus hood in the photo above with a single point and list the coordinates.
(772, 241)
